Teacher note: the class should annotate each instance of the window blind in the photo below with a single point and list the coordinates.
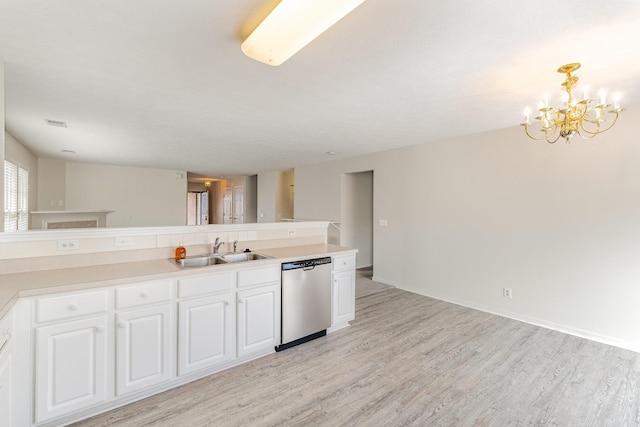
(16, 197)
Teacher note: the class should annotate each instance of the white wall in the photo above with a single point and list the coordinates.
(559, 224)
(284, 195)
(267, 196)
(275, 195)
(139, 196)
(251, 199)
(356, 215)
(51, 184)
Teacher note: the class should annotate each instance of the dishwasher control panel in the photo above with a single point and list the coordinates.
(306, 263)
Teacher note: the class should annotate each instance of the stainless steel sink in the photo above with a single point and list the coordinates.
(245, 256)
(213, 259)
(199, 261)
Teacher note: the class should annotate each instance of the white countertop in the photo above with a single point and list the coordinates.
(16, 285)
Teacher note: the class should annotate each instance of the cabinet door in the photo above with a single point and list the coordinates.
(344, 301)
(258, 319)
(143, 345)
(6, 401)
(70, 367)
(205, 332)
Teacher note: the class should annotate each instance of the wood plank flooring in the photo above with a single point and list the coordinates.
(365, 285)
(409, 360)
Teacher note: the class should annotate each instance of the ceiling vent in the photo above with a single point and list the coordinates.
(56, 123)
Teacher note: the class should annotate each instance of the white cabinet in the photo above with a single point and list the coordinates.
(81, 352)
(143, 348)
(6, 398)
(70, 368)
(258, 307)
(343, 307)
(206, 321)
(206, 332)
(258, 319)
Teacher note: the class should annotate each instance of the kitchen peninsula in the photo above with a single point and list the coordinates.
(116, 326)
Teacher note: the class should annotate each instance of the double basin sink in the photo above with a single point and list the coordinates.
(214, 259)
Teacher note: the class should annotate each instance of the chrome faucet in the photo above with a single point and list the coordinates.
(217, 245)
(235, 246)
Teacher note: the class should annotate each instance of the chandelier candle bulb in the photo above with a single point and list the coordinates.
(527, 111)
(586, 93)
(603, 96)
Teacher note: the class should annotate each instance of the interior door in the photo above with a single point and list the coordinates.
(238, 205)
(227, 205)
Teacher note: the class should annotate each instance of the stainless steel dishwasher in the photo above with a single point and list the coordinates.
(306, 301)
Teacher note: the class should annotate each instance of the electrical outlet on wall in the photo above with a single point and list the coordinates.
(68, 245)
(123, 242)
(506, 293)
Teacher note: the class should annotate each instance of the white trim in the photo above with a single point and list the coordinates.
(45, 235)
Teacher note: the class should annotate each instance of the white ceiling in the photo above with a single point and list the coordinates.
(163, 83)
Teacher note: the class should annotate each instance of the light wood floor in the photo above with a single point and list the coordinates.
(365, 285)
(409, 360)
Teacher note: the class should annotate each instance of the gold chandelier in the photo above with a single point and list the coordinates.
(586, 117)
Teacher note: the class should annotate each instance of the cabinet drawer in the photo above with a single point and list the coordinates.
(202, 285)
(143, 294)
(257, 276)
(70, 306)
(344, 262)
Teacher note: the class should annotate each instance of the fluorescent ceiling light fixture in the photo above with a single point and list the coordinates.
(292, 25)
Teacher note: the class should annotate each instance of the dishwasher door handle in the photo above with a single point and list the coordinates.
(309, 268)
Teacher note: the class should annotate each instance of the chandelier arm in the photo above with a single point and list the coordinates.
(526, 129)
(598, 130)
(546, 137)
(588, 136)
(546, 134)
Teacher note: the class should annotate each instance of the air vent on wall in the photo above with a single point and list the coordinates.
(56, 123)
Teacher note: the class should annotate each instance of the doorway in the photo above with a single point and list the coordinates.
(356, 216)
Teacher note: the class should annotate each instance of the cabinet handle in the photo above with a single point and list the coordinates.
(121, 325)
(145, 294)
(240, 301)
(73, 307)
(99, 329)
(226, 303)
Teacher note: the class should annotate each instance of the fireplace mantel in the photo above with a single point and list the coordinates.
(47, 220)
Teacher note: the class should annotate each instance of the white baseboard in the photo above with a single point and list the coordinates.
(384, 281)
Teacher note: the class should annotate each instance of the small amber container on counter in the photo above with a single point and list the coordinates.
(181, 252)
